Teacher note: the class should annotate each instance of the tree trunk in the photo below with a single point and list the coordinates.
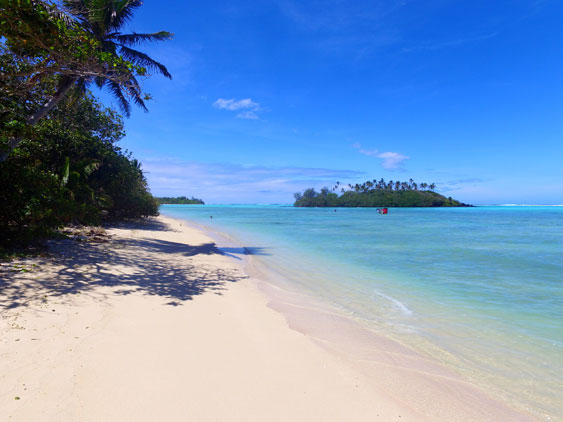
(39, 114)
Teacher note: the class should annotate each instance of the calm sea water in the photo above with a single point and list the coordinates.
(479, 288)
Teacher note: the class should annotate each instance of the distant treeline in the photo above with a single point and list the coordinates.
(376, 194)
(179, 200)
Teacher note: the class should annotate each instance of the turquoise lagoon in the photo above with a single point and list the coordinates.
(479, 288)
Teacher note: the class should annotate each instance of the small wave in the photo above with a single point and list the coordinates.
(529, 205)
(395, 302)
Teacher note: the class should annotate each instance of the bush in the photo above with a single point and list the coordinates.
(69, 170)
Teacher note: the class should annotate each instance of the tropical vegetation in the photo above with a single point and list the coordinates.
(376, 193)
(80, 44)
(59, 158)
(179, 200)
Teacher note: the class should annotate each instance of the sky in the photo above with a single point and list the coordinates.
(270, 97)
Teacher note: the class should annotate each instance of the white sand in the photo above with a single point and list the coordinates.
(158, 325)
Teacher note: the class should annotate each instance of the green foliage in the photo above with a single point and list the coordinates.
(70, 170)
(179, 200)
(58, 43)
(71, 48)
(65, 165)
(377, 194)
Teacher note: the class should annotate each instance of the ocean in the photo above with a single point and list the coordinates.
(480, 289)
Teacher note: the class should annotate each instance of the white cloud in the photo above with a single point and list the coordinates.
(370, 152)
(390, 160)
(248, 108)
(233, 105)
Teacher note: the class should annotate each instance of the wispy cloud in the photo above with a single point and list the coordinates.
(232, 104)
(389, 160)
(434, 46)
(248, 115)
(248, 108)
(392, 160)
(369, 26)
(232, 183)
(459, 184)
(337, 25)
(336, 15)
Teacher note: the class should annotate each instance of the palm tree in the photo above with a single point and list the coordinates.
(102, 20)
(335, 188)
(432, 186)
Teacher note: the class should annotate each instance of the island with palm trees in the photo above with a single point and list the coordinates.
(374, 193)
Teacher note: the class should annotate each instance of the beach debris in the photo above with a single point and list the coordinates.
(85, 234)
(17, 398)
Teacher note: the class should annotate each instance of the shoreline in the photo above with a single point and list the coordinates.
(302, 311)
(160, 323)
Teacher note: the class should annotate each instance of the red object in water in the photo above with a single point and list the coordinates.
(384, 211)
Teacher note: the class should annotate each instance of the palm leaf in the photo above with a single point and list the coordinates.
(123, 11)
(134, 38)
(66, 172)
(115, 89)
(134, 91)
(141, 59)
(100, 82)
(104, 19)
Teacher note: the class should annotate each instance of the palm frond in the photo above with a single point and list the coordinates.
(134, 38)
(104, 19)
(101, 15)
(81, 10)
(61, 15)
(76, 8)
(141, 59)
(135, 92)
(115, 89)
(100, 82)
(122, 12)
(80, 89)
(109, 46)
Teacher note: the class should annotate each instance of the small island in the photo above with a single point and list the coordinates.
(179, 200)
(376, 194)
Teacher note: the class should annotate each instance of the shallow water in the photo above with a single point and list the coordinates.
(478, 288)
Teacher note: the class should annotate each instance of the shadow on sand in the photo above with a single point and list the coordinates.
(149, 266)
(149, 223)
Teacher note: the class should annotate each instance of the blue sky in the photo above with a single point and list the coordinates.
(271, 97)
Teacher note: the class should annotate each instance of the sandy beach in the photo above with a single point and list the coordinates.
(157, 322)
